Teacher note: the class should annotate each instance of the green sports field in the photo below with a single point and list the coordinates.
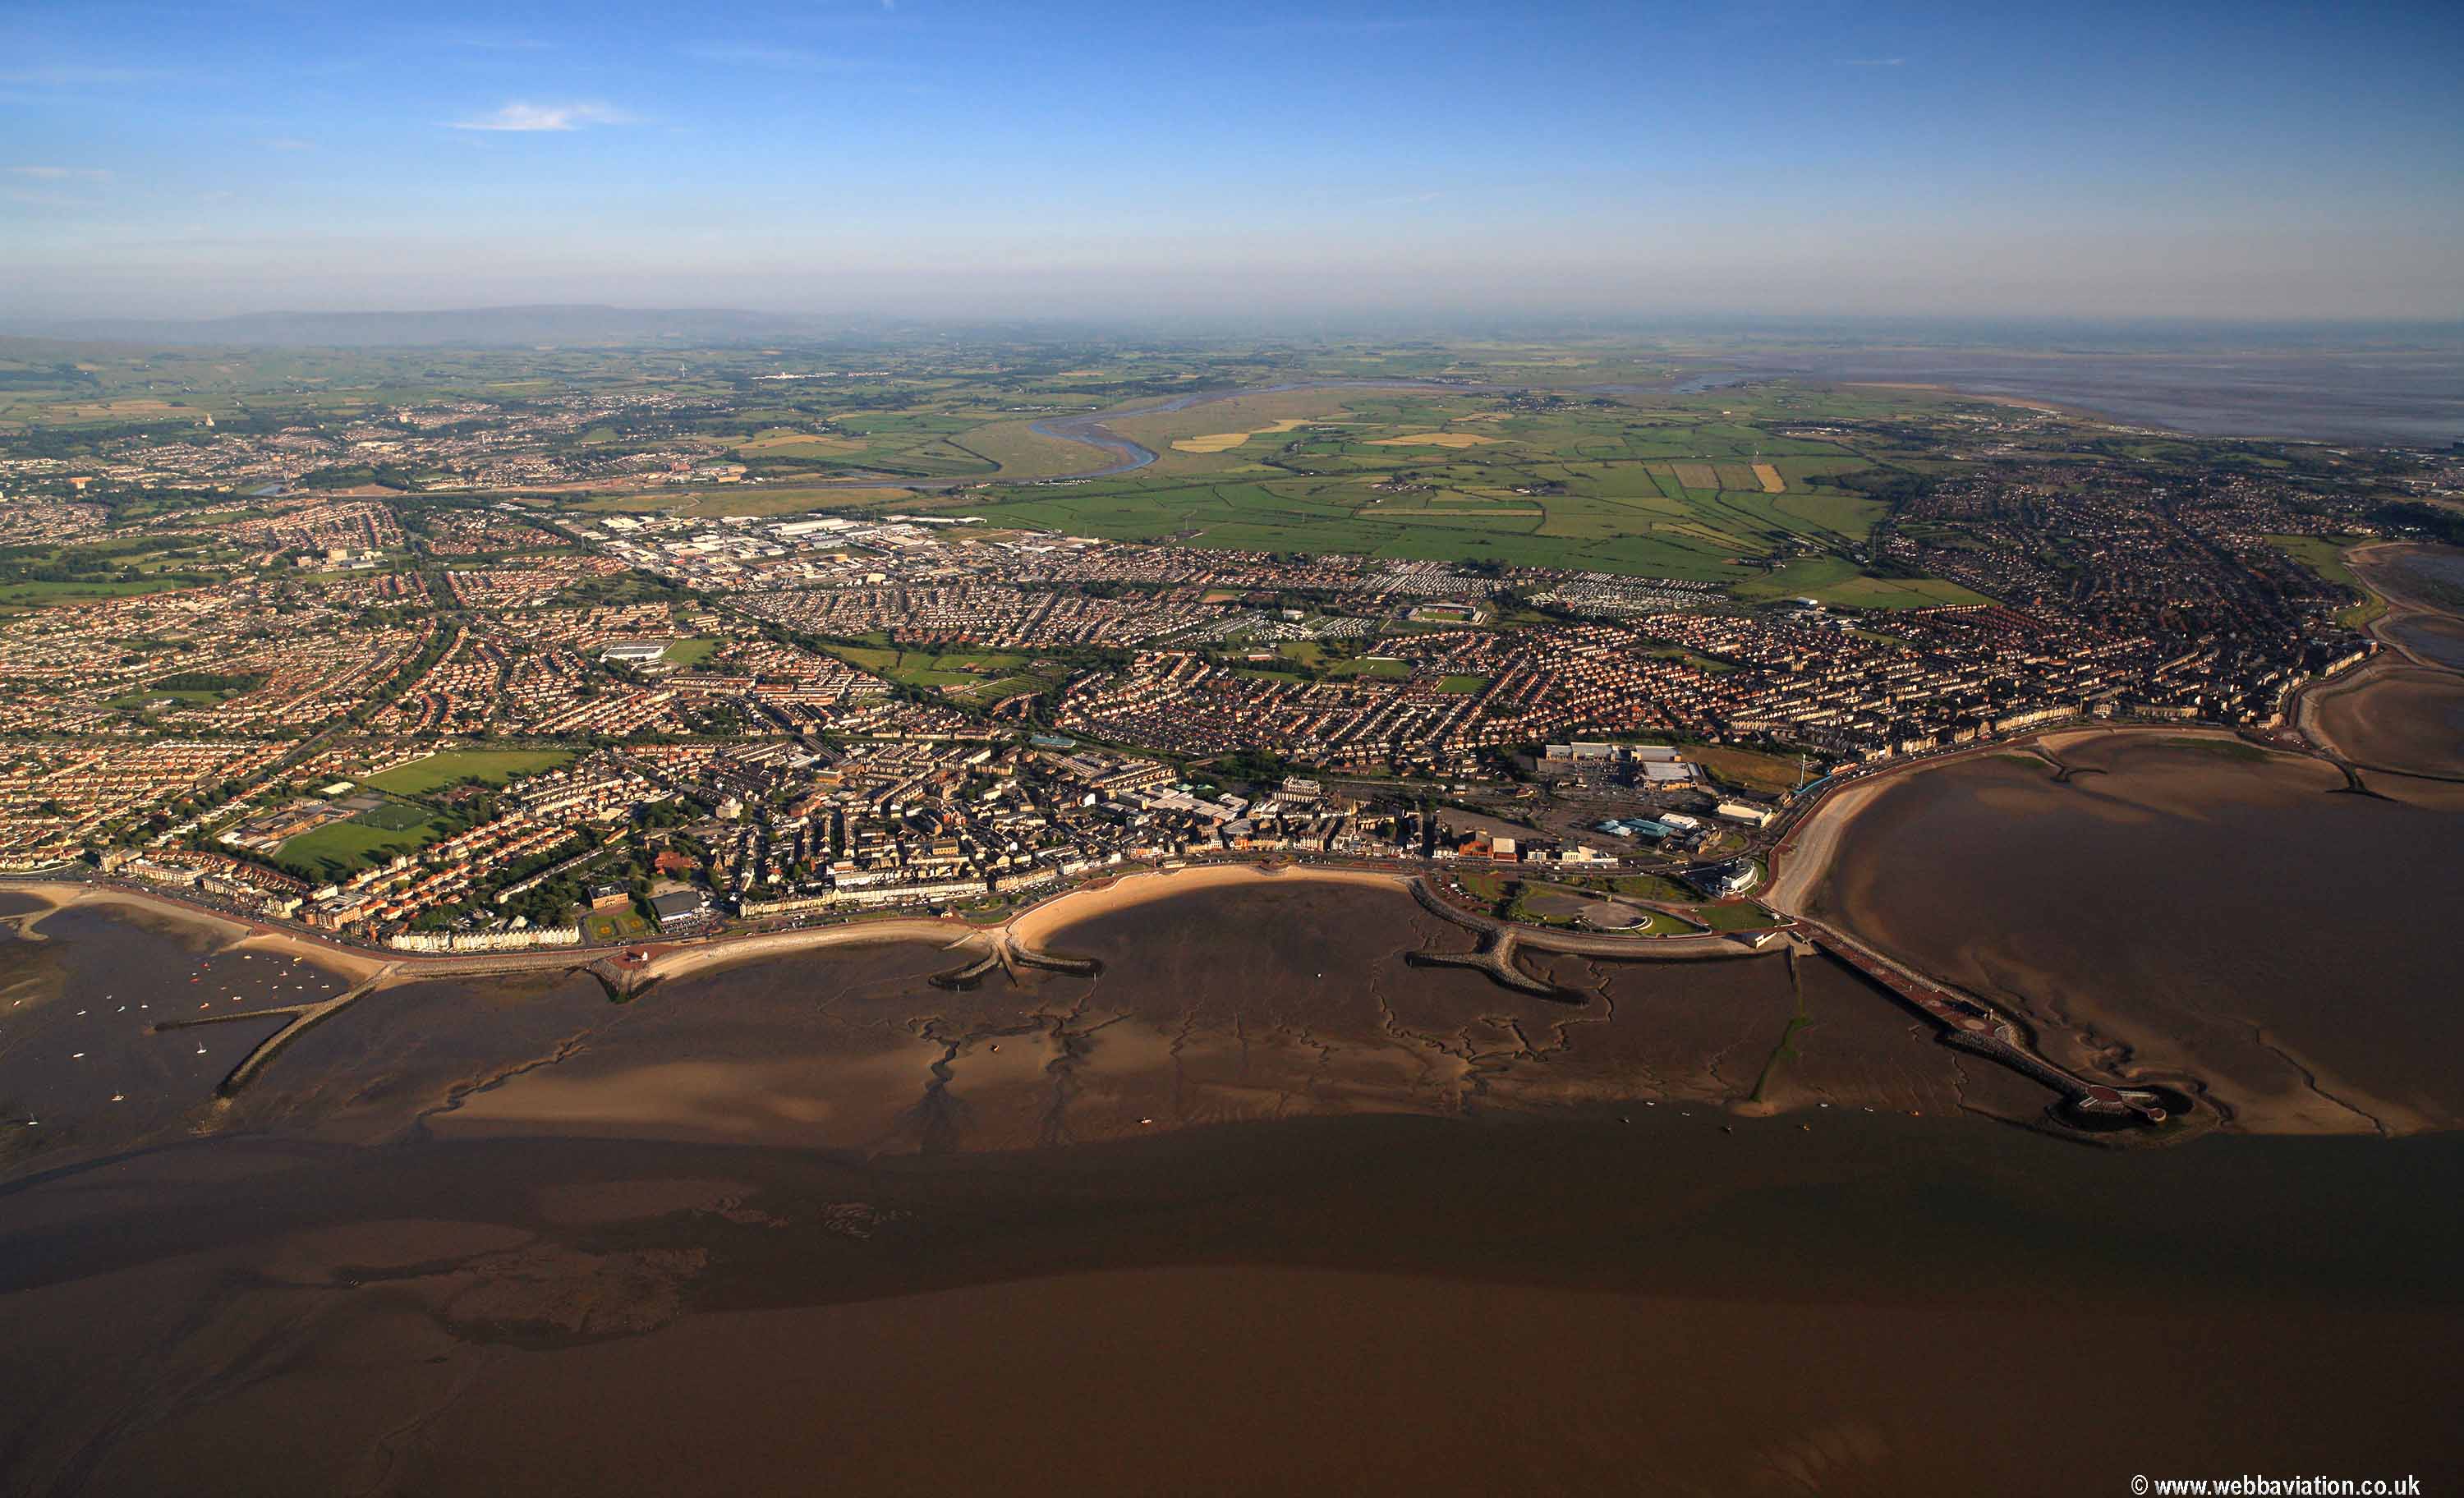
(340, 849)
(493, 766)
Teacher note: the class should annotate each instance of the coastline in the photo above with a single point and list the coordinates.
(1806, 852)
(2049, 408)
(2395, 662)
(1037, 936)
(1094, 901)
(1024, 931)
(2263, 1060)
(354, 962)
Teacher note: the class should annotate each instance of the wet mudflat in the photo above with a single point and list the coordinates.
(82, 1070)
(2402, 713)
(1260, 1206)
(2179, 907)
(2408, 721)
(1379, 1304)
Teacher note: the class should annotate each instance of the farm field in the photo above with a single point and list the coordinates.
(1521, 455)
(438, 771)
(1673, 488)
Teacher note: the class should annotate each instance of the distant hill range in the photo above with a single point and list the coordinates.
(473, 327)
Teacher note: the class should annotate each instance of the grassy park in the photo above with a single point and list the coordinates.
(340, 849)
(453, 767)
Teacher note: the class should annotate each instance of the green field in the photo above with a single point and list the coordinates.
(493, 766)
(2325, 555)
(981, 676)
(1770, 773)
(46, 595)
(1831, 580)
(190, 695)
(1660, 487)
(615, 926)
(690, 653)
(1733, 915)
(1384, 668)
(340, 849)
(1652, 887)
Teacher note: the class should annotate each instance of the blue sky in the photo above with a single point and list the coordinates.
(2191, 159)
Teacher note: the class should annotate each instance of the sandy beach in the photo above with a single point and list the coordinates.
(356, 963)
(1033, 926)
(677, 961)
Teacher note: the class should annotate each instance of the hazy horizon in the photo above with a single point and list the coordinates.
(897, 158)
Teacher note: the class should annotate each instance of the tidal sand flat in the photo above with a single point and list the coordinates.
(2402, 713)
(2185, 908)
(1257, 1174)
(2403, 720)
(1235, 998)
(1882, 1302)
(83, 1071)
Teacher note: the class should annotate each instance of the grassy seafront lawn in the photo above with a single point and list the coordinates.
(607, 926)
(1769, 772)
(438, 771)
(1732, 916)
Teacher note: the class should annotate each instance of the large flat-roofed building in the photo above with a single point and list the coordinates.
(1745, 811)
(680, 908)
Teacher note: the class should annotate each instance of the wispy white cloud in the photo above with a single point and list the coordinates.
(60, 173)
(519, 116)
